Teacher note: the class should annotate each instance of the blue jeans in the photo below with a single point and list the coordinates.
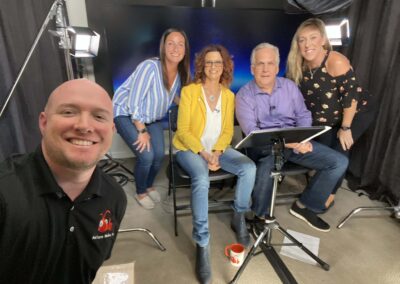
(148, 163)
(231, 161)
(329, 164)
(359, 126)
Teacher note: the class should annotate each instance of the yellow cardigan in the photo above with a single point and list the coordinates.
(192, 119)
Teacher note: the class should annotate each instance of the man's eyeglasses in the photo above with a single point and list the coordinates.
(215, 63)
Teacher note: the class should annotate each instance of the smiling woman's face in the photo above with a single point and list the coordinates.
(213, 65)
(174, 47)
(310, 42)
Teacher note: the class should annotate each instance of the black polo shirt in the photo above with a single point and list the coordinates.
(46, 238)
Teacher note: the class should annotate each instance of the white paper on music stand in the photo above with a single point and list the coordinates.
(310, 242)
(272, 130)
(317, 134)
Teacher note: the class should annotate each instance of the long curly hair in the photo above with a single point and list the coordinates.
(199, 64)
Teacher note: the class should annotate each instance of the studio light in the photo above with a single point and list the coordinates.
(84, 41)
(76, 41)
(338, 31)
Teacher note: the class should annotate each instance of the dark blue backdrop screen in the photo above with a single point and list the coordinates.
(133, 34)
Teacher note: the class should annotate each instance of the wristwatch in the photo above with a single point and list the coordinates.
(345, 128)
(143, 130)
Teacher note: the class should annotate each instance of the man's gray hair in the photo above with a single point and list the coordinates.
(261, 46)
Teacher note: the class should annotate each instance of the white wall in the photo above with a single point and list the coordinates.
(76, 10)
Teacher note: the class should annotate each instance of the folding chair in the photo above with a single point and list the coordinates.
(178, 178)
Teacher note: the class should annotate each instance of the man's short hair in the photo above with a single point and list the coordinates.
(261, 46)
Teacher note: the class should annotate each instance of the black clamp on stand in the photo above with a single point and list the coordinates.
(277, 139)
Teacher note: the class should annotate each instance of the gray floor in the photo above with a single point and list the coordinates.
(365, 250)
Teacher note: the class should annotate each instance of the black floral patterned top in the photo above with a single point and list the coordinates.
(326, 96)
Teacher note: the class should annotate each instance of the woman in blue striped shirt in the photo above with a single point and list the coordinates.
(143, 100)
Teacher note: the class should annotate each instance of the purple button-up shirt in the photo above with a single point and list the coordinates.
(284, 107)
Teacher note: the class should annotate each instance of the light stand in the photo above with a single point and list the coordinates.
(395, 209)
(277, 139)
(68, 41)
(56, 8)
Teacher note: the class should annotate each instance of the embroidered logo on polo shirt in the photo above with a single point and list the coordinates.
(105, 226)
(105, 223)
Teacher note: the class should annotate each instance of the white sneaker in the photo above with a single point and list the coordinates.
(154, 195)
(146, 202)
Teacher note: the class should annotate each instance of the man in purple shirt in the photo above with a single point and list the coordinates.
(272, 102)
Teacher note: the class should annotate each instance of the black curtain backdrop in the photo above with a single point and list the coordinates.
(375, 54)
(19, 23)
(317, 7)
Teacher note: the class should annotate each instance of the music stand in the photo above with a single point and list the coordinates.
(277, 138)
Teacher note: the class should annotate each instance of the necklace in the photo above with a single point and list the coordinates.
(312, 72)
(211, 97)
(321, 61)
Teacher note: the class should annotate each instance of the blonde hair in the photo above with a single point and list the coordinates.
(295, 61)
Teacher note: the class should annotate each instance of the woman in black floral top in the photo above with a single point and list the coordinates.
(329, 87)
(327, 97)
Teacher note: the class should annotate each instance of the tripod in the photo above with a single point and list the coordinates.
(264, 239)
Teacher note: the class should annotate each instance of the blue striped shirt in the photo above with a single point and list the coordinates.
(143, 96)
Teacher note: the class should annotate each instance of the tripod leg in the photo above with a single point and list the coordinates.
(323, 264)
(249, 255)
(278, 265)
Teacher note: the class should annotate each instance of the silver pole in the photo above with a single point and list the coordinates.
(64, 43)
(49, 16)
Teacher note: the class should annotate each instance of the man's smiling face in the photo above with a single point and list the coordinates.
(77, 125)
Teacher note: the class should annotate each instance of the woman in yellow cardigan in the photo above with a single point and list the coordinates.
(205, 130)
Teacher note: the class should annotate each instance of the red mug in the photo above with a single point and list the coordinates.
(235, 252)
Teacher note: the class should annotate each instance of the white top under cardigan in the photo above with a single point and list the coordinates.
(212, 129)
